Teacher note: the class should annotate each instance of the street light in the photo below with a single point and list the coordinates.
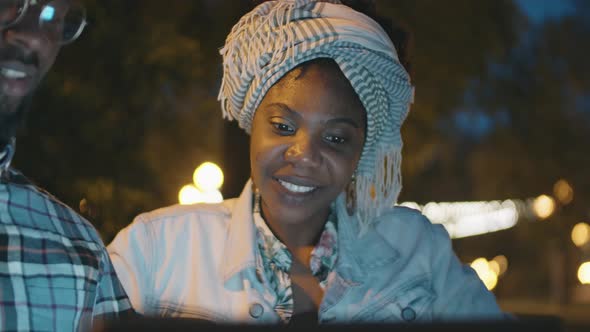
(544, 206)
(502, 263)
(563, 191)
(189, 194)
(207, 178)
(581, 234)
(584, 273)
(485, 272)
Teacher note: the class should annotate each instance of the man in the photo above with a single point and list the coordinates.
(55, 273)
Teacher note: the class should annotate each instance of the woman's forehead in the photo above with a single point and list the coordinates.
(325, 66)
(317, 87)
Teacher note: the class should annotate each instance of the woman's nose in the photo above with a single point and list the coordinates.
(303, 151)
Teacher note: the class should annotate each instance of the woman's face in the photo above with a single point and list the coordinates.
(307, 138)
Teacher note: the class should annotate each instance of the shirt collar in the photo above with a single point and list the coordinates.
(6, 154)
(323, 255)
(240, 245)
(272, 250)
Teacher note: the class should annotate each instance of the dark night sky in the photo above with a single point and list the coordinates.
(539, 10)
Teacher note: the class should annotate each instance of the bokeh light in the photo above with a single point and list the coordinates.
(584, 273)
(502, 262)
(189, 194)
(486, 273)
(212, 196)
(480, 264)
(208, 177)
(581, 234)
(544, 206)
(563, 191)
(495, 267)
(462, 219)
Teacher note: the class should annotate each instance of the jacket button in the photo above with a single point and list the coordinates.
(408, 314)
(256, 310)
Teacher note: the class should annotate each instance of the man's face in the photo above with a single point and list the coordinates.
(26, 54)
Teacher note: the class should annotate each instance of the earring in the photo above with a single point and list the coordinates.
(351, 196)
(256, 200)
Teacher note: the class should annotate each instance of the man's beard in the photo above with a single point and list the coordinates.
(11, 117)
(11, 121)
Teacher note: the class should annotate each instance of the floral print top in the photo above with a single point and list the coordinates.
(275, 260)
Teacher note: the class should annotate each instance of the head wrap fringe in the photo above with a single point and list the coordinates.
(277, 36)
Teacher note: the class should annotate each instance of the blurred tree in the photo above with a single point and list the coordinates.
(130, 109)
(451, 44)
(536, 100)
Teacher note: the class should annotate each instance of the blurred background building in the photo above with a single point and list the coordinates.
(496, 144)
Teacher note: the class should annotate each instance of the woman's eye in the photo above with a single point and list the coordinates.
(283, 128)
(335, 139)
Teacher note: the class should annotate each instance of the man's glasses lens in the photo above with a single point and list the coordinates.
(75, 22)
(61, 20)
(11, 11)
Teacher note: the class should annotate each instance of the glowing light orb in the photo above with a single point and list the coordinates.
(544, 206)
(563, 191)
(495, 267)
(502, 262)
(189, 194)
(208, 177)
(485, 272)
(584, 273)
(580, 234)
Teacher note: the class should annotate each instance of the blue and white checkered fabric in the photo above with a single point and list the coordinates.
(55, 273)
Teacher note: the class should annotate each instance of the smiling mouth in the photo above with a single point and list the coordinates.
(12, 73)
(296, 188)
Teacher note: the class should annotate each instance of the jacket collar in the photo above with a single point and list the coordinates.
(6, 154)
(361, 253)
(241, 239)
(356, 256)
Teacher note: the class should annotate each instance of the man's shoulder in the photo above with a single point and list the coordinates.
(24, 204)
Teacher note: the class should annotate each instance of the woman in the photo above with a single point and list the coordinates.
(314, 234)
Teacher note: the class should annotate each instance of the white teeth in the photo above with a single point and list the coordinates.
(11, 73)
(295, 188)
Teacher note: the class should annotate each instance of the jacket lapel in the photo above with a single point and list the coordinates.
(239, 250)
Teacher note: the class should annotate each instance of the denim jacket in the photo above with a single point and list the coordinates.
(198, 261)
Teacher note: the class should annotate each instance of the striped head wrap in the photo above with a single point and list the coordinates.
(277, 36)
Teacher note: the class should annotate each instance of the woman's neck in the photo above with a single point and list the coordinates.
(296, 235)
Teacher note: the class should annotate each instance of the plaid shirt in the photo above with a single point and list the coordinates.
(55, 273)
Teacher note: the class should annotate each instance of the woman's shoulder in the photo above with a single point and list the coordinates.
(184, 218)
(404, 217)
(176, 224)
(199, 211)
(401, 224)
